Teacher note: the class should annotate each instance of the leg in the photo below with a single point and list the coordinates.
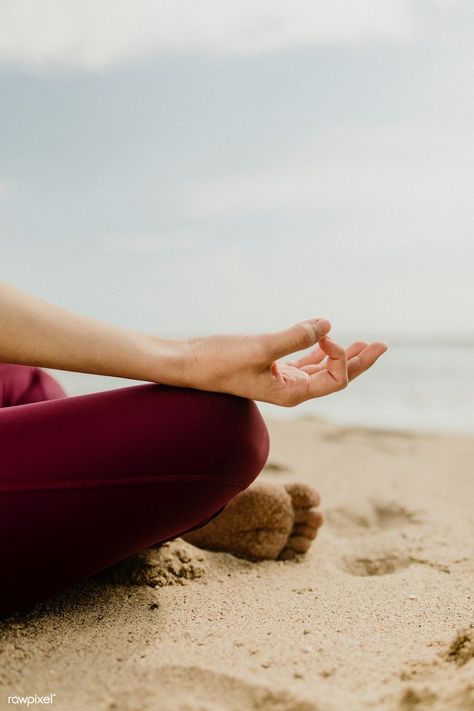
(21, 384)
(86, 481)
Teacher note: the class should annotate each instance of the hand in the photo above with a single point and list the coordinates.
(250, 366)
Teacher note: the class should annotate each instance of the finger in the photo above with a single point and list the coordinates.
(365, 359)
(353, 350)
(333, 376)
(302, 335)
(336, 363)
(316, 355)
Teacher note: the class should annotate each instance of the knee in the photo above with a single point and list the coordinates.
(207, 434)
(247, 442)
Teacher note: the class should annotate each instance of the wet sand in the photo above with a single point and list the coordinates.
(378, 615)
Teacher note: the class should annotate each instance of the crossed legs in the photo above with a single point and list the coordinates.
(86, 481)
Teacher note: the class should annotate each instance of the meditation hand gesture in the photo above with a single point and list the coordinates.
(250, 366)
(38, 333)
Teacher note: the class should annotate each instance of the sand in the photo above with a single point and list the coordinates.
(379, 614)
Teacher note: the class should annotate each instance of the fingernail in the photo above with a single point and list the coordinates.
(322, 326)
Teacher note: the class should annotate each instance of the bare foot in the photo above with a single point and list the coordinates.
(266, 521)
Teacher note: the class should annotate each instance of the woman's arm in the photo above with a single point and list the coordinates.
(35, 332)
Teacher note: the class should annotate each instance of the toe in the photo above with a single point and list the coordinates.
(307, 520)
(300, 544)
(309, 517)
(303, 495)
(305, 531)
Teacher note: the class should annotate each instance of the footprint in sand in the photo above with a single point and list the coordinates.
(417, 699)
(276, 467)
(171, 688)
(387, 564)
(435, 686)
(382, 565)
(372, 516)
(369, 519)
(461, 649)
(387, 441)
(436, 698)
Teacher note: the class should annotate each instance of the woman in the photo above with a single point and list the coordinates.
(86, 481)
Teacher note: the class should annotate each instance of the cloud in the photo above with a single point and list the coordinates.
(411, 173)
(96, 34)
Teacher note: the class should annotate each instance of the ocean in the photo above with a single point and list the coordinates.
(414, 387)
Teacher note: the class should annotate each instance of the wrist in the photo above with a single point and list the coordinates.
(167, 360)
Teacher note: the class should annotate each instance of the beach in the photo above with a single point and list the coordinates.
(378, 615)
(190, 193)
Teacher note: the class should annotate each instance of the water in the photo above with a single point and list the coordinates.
(412, 387)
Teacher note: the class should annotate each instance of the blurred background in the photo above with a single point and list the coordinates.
(188, 168)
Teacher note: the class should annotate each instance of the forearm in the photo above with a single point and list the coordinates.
(35, 332)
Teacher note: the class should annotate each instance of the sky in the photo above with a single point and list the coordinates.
(186, 168)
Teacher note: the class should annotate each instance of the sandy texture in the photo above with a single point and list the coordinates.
(379, 614)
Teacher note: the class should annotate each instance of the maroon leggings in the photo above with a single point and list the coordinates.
(86, 481)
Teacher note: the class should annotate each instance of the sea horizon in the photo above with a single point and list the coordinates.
(412, 387)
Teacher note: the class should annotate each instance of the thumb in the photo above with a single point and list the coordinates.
(300, 336)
